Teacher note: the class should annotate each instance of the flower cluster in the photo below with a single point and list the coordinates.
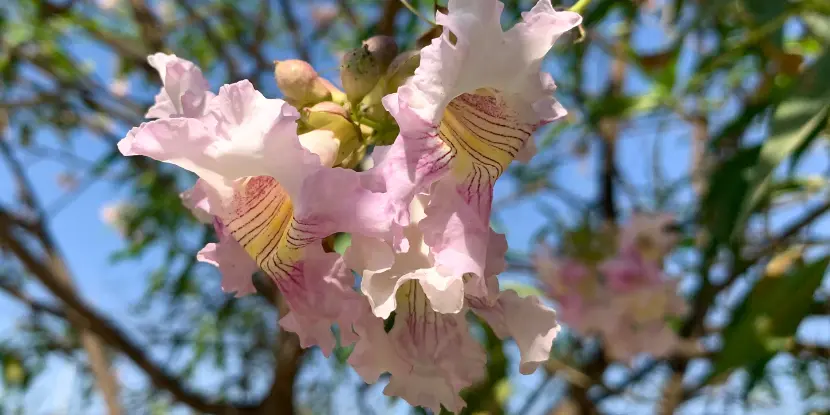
(276, 182)
(624, 297)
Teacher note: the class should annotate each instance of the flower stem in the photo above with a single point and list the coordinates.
(417, 13)
(580, 6)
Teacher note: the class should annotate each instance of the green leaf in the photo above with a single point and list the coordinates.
(767, 319)
(728, 185)
(818, 25)
(797, 120)
(764, 11)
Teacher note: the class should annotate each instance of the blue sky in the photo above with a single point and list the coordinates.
(112, 287)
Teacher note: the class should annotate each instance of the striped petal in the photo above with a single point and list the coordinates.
(233, 262)
(273, 199)
(430, 356)
(473, 102)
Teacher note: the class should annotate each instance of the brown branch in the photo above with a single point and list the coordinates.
(288, 355)
(609, 128)
(386, 23)
(32, 303)
(98, 360)
(149, 27)
(213, 38)
(88, 319)
(294, 28)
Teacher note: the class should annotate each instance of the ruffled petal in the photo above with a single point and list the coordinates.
(319, 293)
(374, 353)
(530, 323)
(384, 272)
(473, 103)
(185, 92)
(195, 199)
(233, 262)
(457, 237)
(440, 354)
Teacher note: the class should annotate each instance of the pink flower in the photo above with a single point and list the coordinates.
(641, 322)
(430, 356)
(429, 352)
(268, 195)
(629, 271)
(649, 235)
(467, 112)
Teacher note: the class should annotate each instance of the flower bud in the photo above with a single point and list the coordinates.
(371, 106)
(332, 117)
(300, 83)
(337, 96)
(401, 69)
(323, 143)
(359, 73)
(383, 48)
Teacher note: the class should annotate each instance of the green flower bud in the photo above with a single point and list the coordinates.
(359, 73)
(383, 48)
(401, 69)
(332, 117)
(300, 83)
(371, 106)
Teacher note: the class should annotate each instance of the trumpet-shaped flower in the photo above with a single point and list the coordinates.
(269, 196)
(467, 112)
(429, 351)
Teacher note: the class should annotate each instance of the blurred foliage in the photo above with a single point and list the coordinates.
(744, 81)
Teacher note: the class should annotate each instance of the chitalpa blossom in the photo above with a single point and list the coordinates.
(269, 197)
(275, 181)
(626, 298)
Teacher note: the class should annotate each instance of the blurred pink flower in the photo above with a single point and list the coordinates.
(650, 235)
(629, 271)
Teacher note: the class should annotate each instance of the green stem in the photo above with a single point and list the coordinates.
(417, 13)
(580, 6)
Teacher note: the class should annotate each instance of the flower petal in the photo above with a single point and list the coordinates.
(455, 233)
(233, 262)
(196, 200)
(430, 356)
(629, 271)
(319, 293)
(415, 263)
(473, 102)
(185, 92)
(530, 323)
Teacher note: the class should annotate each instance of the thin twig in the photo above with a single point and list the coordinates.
(417, 13)
(293, 27)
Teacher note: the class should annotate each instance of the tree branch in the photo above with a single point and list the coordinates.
(87, 319)
(98, 360)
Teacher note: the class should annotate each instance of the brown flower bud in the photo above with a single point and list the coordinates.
(383, 48)
(359, 73)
